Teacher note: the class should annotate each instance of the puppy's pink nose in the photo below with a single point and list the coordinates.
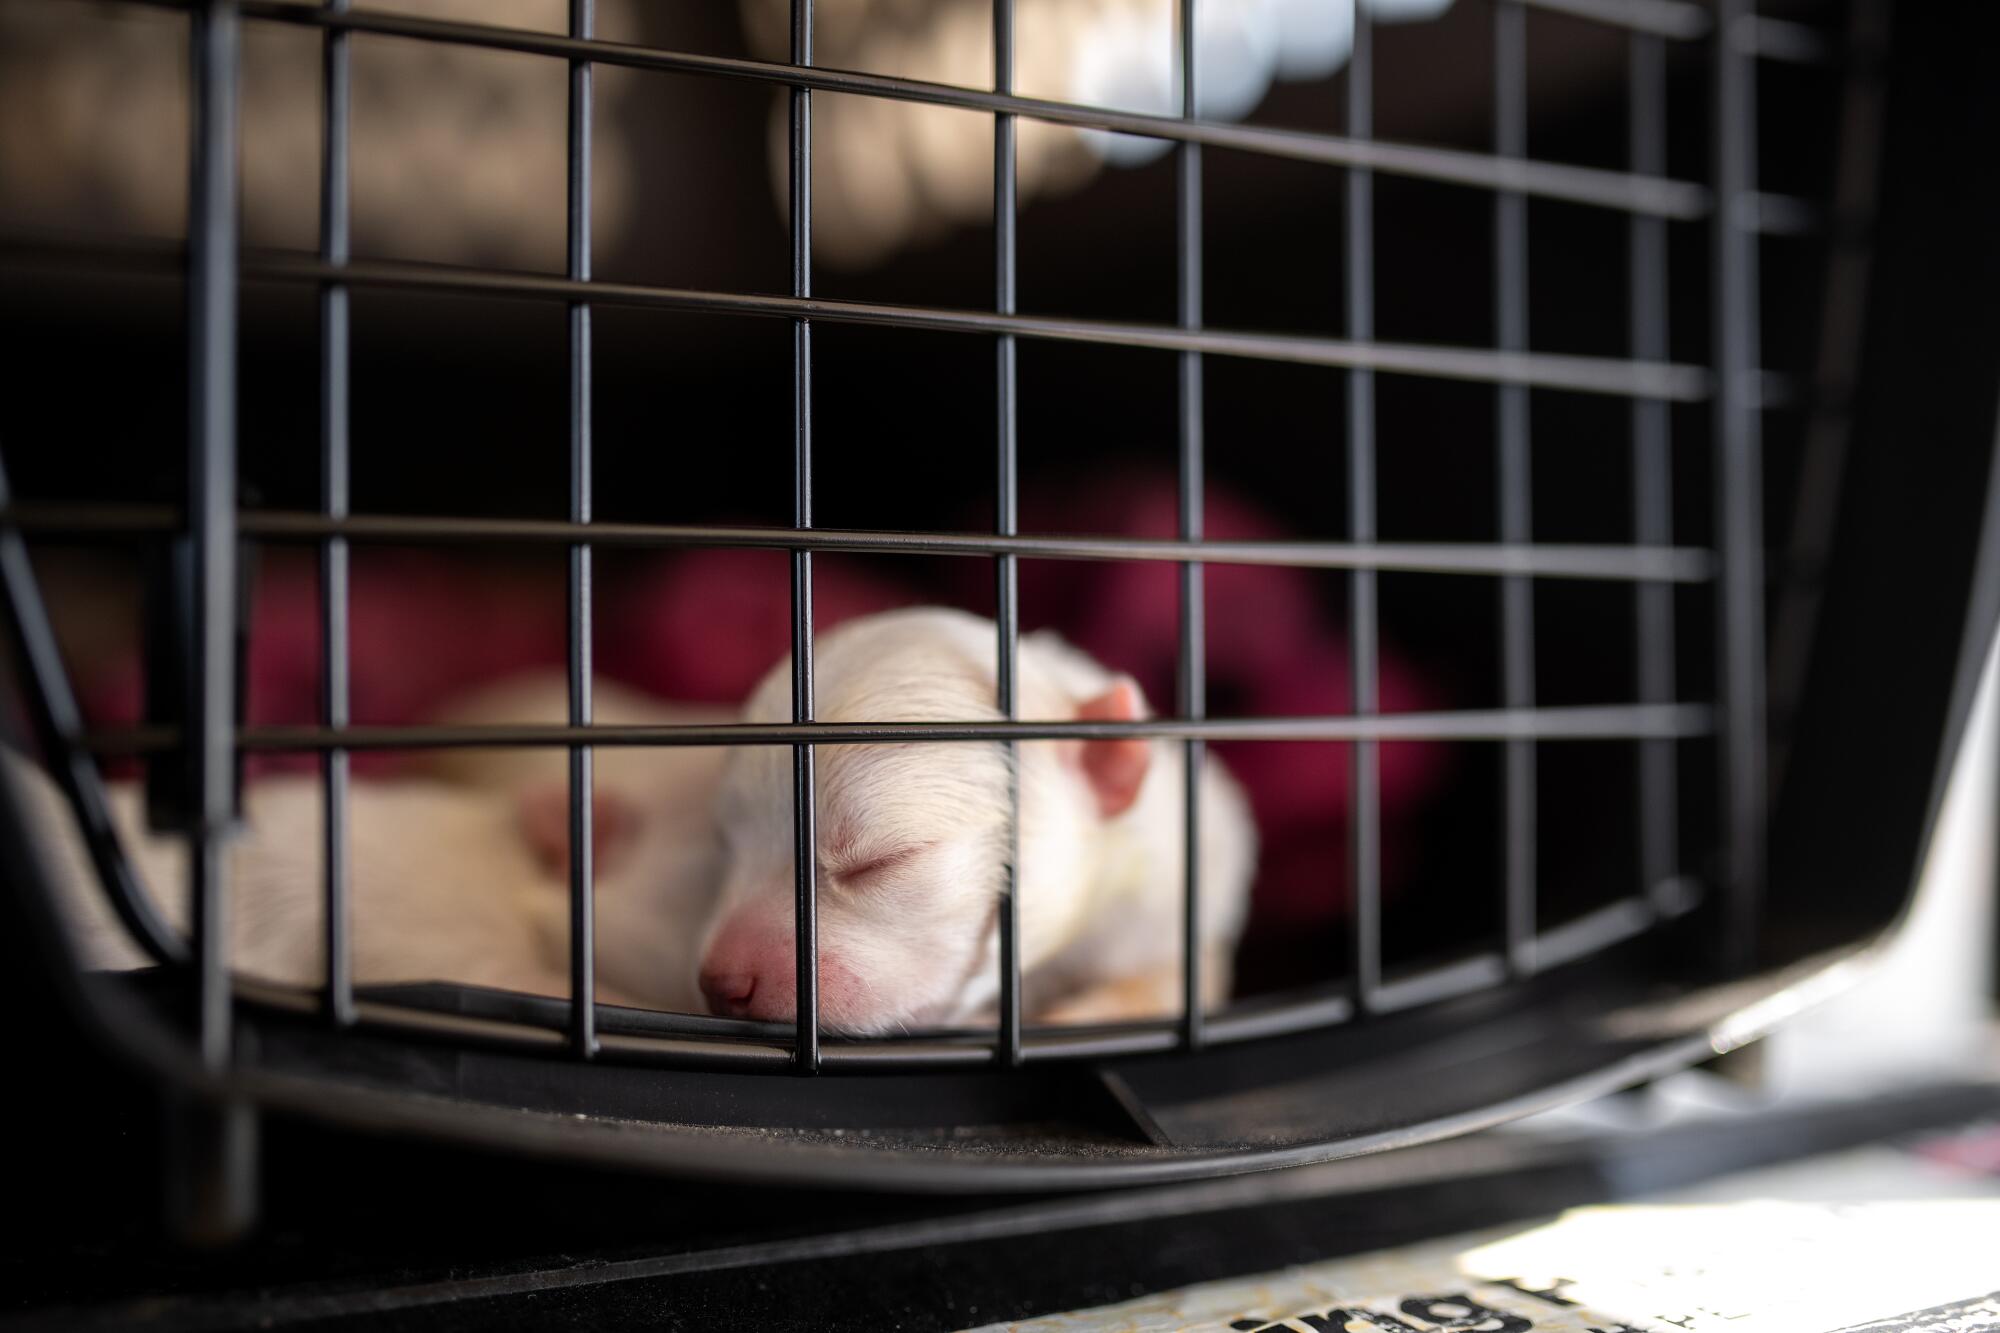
(729, 993)
(749, 972)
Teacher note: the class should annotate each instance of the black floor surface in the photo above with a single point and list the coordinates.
(400, 1235)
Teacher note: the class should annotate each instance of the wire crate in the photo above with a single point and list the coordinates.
(1697, 954)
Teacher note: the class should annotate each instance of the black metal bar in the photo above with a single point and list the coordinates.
(1481, 972)
(211, 1159)
(1583, 185)
(1579, 374)
(1190, 674)
(1739, 492)
(334, 396)
(1365, 776)
(1247, 1023)
(1594, 932)
(1623, 722)
(1516, 480)
(582, 867)
(212, 510)
(211, 1152)
(805, 846)
(1652, 472)
(1007, 523)
(1617, 563)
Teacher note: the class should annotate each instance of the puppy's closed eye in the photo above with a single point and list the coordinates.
(874, 867)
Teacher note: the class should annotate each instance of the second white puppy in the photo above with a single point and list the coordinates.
(912, 840)
(442, 888)
(654, 833)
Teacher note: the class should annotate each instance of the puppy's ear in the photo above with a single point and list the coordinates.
(1115, 769)
(544, 815)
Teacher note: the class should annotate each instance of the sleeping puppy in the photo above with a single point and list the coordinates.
(653, 838)
(913, 844)
(466, 880)
(460, 875)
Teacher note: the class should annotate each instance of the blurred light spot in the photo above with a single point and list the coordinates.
(889, 174)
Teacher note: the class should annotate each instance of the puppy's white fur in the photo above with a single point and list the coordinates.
(442, 888)
(448, 881)
(913, 938)
(656, 872)
(683, 776)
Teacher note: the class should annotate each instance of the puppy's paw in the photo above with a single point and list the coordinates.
(1148, 995)
(1124, 1000)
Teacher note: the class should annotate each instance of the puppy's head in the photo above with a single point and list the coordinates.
(912, 839)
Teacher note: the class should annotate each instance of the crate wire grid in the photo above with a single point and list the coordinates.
(1735, 389)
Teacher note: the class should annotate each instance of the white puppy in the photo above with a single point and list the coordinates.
(912, 843)
(466, 882)
(442, 886)
(463, 878)
(653, 834)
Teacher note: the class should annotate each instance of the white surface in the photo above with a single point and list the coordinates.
(1828, 1244)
